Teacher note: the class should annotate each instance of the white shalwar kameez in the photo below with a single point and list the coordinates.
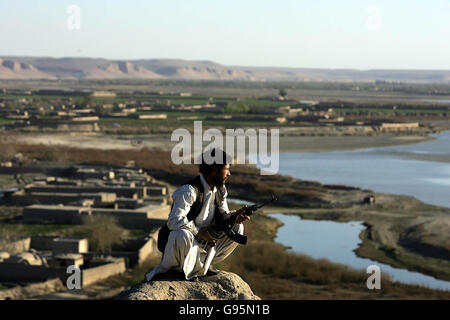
(182, 250)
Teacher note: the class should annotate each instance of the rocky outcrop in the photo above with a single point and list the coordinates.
(173, 286)
(120, 70)
(12, 69)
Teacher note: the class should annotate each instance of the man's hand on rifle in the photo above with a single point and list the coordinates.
(204, 235)
(244, 215)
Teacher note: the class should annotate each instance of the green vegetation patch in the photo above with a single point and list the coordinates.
(5, 121)
(7, 181)
(14, 231)
(102, 232)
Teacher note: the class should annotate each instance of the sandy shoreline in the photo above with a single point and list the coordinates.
(286, 143)
(341, 143)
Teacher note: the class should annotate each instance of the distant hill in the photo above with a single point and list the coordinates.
(97, 68)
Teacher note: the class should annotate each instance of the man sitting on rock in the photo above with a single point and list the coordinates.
(197, 205)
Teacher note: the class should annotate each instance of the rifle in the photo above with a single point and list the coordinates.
(225, 227)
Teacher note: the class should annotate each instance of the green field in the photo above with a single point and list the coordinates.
(174, 99)
(392, 111)
(31, 229)
(7, 181)
(5, 121)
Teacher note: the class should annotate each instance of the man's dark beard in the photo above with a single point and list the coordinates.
(218, 181)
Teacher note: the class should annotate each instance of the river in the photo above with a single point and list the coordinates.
(306, 237)
(386, 169)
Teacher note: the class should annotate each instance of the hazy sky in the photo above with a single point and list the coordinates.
(359, 34)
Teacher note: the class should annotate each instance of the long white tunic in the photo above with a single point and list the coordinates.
(182, 250)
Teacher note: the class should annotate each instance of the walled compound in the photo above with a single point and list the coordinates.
(134, 198)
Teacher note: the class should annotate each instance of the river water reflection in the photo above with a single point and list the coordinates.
(336, 242)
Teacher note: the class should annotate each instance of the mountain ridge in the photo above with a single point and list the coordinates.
(69, 68)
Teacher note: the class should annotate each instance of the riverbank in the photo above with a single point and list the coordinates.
(424, 157)
(340, 143)
(287, 143)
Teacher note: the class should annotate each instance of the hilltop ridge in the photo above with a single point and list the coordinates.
(76, 68)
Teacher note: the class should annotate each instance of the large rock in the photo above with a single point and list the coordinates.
(172, 286)
(30, 258)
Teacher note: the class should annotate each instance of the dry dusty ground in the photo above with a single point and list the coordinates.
(287, 143)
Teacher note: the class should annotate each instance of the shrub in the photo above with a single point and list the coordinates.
(102, 232)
